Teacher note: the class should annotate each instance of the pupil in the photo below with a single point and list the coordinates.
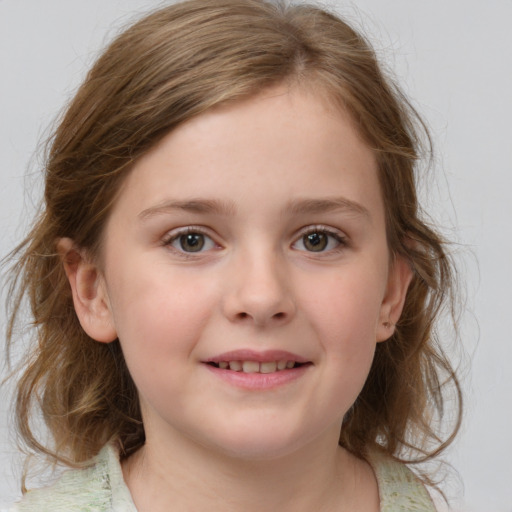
(192, 242)
(315, 241)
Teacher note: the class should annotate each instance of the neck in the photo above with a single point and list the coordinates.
(320, 476)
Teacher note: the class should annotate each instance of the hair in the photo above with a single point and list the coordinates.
(169, 67)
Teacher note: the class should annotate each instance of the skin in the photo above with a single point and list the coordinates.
(252, 180)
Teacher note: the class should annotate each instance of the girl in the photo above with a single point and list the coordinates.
(234, 294)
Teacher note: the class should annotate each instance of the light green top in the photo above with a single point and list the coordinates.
(101, 488)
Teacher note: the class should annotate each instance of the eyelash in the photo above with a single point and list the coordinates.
(174, 236)
(340, 239)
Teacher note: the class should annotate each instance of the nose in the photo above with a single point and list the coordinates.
(259, 291)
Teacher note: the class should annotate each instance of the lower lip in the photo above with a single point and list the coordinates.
(259, 381)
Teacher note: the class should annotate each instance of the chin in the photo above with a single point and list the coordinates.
(260, 445)
(258, 452)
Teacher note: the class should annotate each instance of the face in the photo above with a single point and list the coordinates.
(247, 275)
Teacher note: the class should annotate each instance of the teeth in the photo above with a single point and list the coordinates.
(235, 366)
(255, 367)
(269, 367)
(250, 367)
(281, 365)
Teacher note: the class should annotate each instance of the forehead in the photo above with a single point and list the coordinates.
(286, 139)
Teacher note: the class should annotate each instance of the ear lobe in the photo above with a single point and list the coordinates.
(399, 279)
(89, 292)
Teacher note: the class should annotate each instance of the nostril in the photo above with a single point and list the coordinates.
(277, 316)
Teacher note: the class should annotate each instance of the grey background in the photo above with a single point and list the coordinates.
(453, 57)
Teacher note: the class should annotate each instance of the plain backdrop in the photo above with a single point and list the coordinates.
(452, 57)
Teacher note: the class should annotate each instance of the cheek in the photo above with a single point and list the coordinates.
(158, 312)
(159, 321)
(347, 305)
(344, 314)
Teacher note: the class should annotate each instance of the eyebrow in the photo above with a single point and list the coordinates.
(191, 206)
(218, 207)
(312, 206)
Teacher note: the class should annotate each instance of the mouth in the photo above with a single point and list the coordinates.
(250, 361)
(251, 366)
(258, 370)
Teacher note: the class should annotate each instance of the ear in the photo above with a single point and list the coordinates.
(90, 296)
(400, 276)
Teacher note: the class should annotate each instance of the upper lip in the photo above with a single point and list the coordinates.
(258, 356)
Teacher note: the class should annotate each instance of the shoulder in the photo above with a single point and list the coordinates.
(98, 488)
(399, 489)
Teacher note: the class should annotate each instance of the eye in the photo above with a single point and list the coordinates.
(190, 241)
(319, 240)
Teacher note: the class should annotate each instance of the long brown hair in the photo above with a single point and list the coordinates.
(173, 65)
